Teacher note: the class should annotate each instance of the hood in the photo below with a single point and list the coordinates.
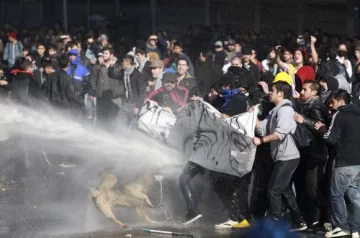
(306, 73)
(76, 61)
(332, 83)
(351, 108)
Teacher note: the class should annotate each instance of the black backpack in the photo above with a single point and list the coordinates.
(302, 136)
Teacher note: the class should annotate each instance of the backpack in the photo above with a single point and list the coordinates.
(302, 136)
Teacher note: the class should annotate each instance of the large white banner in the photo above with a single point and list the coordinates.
(222, 145)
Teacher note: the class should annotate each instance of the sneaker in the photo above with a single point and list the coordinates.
(327, 226)
(243, 224)
(299, 227)
(226, 225)
(192, 217)
(355, 235)
(337, 232)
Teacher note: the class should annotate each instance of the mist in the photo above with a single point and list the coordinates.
(59, 158)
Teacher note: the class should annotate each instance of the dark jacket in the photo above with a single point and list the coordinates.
(61, 93)
(190, 83)
(137, 91)
(313, 112)
(238, 104)
(24, 88)
(105, 82)
(206, 75)
(253, 76)
(344, 133)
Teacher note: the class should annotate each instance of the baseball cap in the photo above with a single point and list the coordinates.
(73, 52)
(218, 44)
(231, 42)
(169, 77)
(100, 54)
(157, 64)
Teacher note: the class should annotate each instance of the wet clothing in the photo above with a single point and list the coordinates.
(281, 121)
(165, 98)
(61, 93)
(24, 88)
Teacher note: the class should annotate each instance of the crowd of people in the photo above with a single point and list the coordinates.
(307, 86)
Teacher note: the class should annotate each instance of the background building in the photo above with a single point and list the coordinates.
(144, 16)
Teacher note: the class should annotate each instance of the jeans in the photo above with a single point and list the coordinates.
(345, 198)
(279, 190)
(233, 192)
(188, 172)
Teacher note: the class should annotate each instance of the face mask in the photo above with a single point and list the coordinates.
(342, 53)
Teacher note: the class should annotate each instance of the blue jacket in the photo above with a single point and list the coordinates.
(77, 71)
(80, 76)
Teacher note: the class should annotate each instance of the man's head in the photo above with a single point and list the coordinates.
(236, 61)
(238, 47)
(73, 54)
(310, 89)
(140, 53)
(169, 81)
(12, 36)
(177, 47)
(231, 45)
(128, 62)
(339, 98)
(108, 53)
(25, 64)
(287, 55)
(47, 66)
(218, 46)
(152, 40)
(280, 91)
(103, 40)
(182, 66)
(247, 54)
(40, 49)
(157, 68)
(100, 58)
(52, 50)
(63, 61)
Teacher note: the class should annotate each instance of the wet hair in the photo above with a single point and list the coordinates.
(64, 61)
(40, 44)
(284, 88)
(70, 45)
(314, 86)
(178, 43)
(111, 51)
(25, 64)
(184, 59)
(46, 63)
(140, 50)
(129, 58)
(341, 94)
(52, 47)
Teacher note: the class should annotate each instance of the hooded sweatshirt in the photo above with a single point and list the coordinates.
(281, 121)
(344, 133)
